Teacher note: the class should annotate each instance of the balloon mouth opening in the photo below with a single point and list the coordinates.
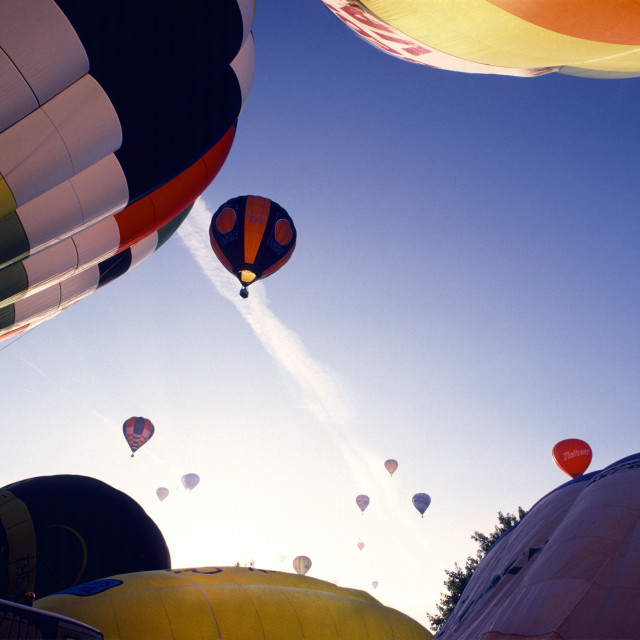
(247, 277)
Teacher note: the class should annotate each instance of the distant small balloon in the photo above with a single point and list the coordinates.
(391, 465)
(375, 584)
(136, 432)
(302, 564)
(190, 481)
(361, 545)
(573, 456)
(162, 493)
(283, 558)
(362, 501)
(421, 502)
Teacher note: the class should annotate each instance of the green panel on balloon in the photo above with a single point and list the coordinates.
(13, 240)
(13, 282)
(7, 316)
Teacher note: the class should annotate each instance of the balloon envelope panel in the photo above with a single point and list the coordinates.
(594, 38)
(48, 302)
(230, 603)
(57, 531)
(104, 104)
(566, 570)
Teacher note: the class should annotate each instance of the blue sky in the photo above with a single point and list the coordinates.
(462, 296)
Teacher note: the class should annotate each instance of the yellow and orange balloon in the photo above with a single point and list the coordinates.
(589, 38)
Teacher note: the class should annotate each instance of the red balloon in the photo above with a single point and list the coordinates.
(573, 456)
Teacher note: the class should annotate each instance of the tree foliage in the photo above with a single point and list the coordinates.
(458, 577)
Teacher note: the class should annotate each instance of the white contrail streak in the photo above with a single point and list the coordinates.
(321, 389)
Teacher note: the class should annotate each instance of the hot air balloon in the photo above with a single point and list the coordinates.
(61, 530)
(229, 602)
(573, 456)
(137, 431)
(190, 481)
(524, 38)
(375, 584)
(162, 493)
(361, 545)
(391, 466)
(421, 502)
(92, 164)
(363, 502)
(566, 570)
(252, 237)
(302, 564)
(48, 302)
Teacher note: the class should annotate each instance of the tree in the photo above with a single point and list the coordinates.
(458, 577)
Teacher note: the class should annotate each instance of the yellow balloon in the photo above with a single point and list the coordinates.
(230, 602)
(591, 38)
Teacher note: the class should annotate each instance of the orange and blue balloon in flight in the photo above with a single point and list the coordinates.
(252, 237)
